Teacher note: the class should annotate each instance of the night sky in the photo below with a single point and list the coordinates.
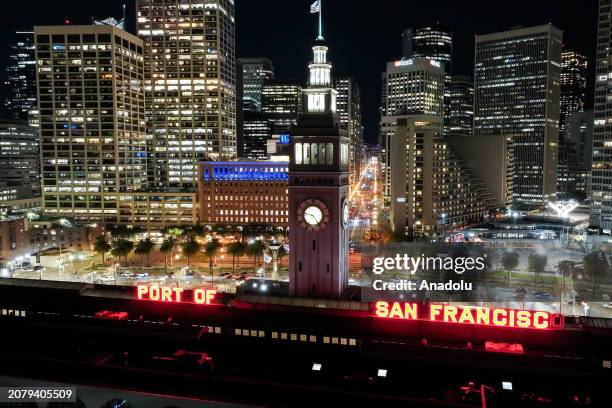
(362, 35)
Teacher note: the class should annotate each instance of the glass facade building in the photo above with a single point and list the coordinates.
(517, 78)
(190, 80)
(20, 103)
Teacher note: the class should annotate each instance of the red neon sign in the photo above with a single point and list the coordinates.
(470, 315)
(175, 295)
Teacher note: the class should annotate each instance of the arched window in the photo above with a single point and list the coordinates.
(330, 153)
(322, 157)
(298, 153)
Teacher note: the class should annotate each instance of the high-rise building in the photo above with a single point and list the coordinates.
(348, 105)
(461, 106)
(516, 93)
(430, 42)
(573, 99)
(282, 104)
(254, 73)
(434, 42)
(601, 172)
(257, 130)
(251, 75)
(190, 79)
(574, 171)
(92, 119)
(432, 189)
(20, 158)
(20, 103)
(412, 87)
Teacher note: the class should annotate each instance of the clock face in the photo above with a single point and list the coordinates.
(345, 214)
(313, 215)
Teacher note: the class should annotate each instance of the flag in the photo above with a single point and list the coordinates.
(315, 7)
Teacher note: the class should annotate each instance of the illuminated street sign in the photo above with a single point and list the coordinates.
(175, 295)
(469, 315)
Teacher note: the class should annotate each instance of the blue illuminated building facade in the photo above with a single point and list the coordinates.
(241, 193)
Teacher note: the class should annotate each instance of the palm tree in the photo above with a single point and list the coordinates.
(282, 252)
(122, 248)
(144, 248)
(236, 250)
(102, 246)
(190, 247)
(166, 247)
(596, 267)
(255, 250)
(210, 249)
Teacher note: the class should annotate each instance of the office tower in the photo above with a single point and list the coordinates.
(601, 176)
(92, 123)
(251, 75)
(433, 42)
(516, 93)
(319, 188)
(412, 87)
(257, 131)
(348, 107)
(19, 158)
(461, 106)
(190, 71)
(242, 193)
(254, 73)
(432, 190)
(21, 78)
(573, 99)
(282, 104)
(579, 137)
(430, 42)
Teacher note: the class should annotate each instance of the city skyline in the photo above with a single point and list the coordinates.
(346, 42)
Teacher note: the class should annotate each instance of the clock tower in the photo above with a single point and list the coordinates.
(319, 189)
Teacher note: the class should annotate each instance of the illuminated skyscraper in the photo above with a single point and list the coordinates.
(19, 157)
(254, 73)
(92, 119)
(573, 99)
(601, 177)
(461, 106)
(21, 78)
(434, 42)
(349, 115)
(282, 104)
(414, 88)
(190, 71)
(251, 75)
(516, 93)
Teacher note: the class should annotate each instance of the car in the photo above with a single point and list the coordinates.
(38, 268)
(607, 305)
(225, 275)
(142, 275)
(190, 272)
(127, 274)
(111, 315)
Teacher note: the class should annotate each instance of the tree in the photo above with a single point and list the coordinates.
(255, 251)
(102, 246)
(509, 262)
(190, 247)
(282, 253)
(210, 249)
(236, 250)
(144, 248)
(595, 266)
(122, 248)
(166, 247)
(536, 264)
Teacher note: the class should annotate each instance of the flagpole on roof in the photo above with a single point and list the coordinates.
(320, 19)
